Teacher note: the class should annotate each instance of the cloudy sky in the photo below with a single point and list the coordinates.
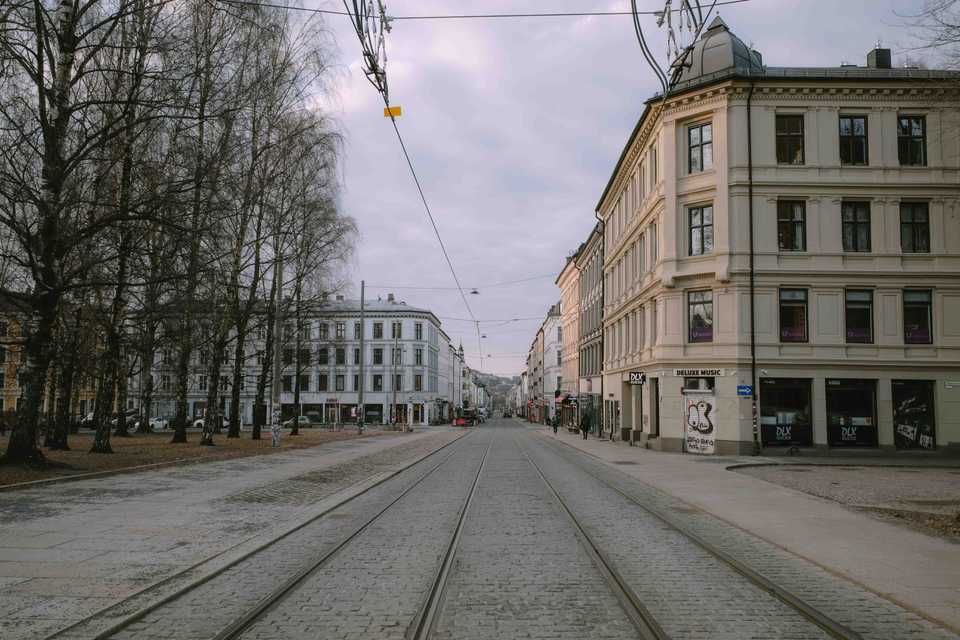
(514, 127)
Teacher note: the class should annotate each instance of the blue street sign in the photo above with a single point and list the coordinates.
(745, 390)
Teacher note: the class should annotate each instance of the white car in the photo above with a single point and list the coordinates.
(198, 424)
(159, 424)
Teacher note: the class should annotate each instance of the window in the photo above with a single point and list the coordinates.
(357, 328)
(4, 329)
(914, 414)
(305, 333)
(700, 314)
(165, 383)
(304, 382)
(378, 356)
(3, 354)
(339, 382)
(341, 330)
(699, 147)
(304, 357)
(853, 140)
(323, 356)
(3, 380)
(396, 356)
(261, 333)
(418, 331)
(856, 226)
(323, 331)
(792, 225)
(851, 413)
(287, 384)
(418, 382)
(793, 315)
(341, 356)
(356, 382)
(396, 330)
(912, 141)
(917, 317)
(418, 357)
(323, 382)
(559, 358)
(356, 356)
(654, 247)
(790, 139)
(786, 416)
(699, 384)
(398, 382)
(859, 316)
(377, 382)
(378, 330)
(701, 230)
(287, 357)
(914, 227)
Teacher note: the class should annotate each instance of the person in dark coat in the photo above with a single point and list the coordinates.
(585, 425)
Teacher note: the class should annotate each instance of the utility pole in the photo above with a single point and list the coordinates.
(363, 382)
(393, 358)
(277, 350)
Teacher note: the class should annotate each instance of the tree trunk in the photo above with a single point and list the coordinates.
(267, 363)
(236, 380)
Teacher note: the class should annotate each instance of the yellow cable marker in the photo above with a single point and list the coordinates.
(391, 112)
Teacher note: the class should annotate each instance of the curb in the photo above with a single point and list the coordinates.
(222, 561)
(30, 484)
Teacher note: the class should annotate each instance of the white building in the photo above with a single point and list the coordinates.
(552, 360)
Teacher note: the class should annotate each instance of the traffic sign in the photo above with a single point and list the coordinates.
(745, 390)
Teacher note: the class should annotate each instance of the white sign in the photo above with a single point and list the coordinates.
(699, 424)
(698, 373)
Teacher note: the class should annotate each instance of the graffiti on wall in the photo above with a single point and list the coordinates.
(699, 417)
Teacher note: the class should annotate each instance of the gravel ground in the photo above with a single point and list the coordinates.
(923, 498)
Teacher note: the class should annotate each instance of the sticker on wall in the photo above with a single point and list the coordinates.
(699, 417)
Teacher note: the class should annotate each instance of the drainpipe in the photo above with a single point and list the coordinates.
(753, 314)
(603, 295)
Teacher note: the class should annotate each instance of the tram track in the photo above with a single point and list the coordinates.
(811, 613)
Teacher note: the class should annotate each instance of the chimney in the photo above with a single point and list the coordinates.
(879, 58)
(390, 298)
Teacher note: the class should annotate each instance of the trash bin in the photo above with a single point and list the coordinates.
(625, 434)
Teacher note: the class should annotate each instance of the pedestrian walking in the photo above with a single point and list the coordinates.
(585, 425)
(556, 424)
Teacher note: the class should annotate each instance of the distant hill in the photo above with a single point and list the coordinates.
(498, 387)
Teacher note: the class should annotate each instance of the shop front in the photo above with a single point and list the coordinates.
(373, 413)
(786, 412)
(913, 414)
(851, 412)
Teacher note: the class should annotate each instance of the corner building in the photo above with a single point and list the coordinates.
(852, 181)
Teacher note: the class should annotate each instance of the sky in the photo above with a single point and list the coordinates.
(514, 127)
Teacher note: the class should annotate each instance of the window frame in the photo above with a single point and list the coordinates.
(851, 139)
(928, 303)
(846, 315)
(377, 330)
(789, 137)
(856, 223)
(910, 139)
(701, 209)
(914, 207)
(705, 302)
(787, 220)
(699, 146)
(794, 304)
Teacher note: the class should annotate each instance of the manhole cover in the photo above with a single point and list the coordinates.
(624, 462)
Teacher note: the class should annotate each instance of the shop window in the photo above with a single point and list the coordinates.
(700, 316)
(793, 315)
(851, 413)
(703, 385)
(913, 414)
(859, 317)
(917, 317)
(785, 412)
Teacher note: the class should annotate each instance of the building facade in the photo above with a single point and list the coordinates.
(805, 220)
(569, 283)
(590, 337)
(552, 363)
(535, 383)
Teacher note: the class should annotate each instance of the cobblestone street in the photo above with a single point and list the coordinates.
(502, 533)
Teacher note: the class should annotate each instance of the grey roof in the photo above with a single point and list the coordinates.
(716, 51)
(369, 306)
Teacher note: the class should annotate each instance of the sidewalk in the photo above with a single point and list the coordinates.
(69, 550)
(920, 572)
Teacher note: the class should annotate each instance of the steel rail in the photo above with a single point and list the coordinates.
(832, 627)
(127, 621)
(641, 617)
(424, 622)
(242, 623)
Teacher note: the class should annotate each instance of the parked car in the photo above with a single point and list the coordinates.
(160, 423)
(87, 421)
(131, 417)
(198, 423)
(302, 421)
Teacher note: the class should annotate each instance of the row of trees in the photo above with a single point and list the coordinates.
(164, 176)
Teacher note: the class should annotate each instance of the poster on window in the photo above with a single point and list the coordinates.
(913, 414)
(700, 417)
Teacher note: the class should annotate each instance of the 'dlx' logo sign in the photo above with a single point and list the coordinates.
(637, 377)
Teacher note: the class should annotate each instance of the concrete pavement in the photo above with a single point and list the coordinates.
(917, 571)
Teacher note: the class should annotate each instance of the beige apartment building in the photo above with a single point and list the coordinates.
(569, 283)
(837, 310)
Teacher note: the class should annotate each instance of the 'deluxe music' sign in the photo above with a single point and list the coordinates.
(698, 373)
